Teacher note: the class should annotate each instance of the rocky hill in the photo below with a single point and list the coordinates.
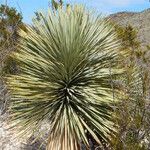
(139, 20)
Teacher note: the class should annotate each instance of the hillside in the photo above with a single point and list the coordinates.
(139, 20)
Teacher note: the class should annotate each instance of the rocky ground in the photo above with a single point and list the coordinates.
(7, 140)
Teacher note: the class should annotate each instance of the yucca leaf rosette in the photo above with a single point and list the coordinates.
(68, 60)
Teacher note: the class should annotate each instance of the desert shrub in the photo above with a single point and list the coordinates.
(69, 60)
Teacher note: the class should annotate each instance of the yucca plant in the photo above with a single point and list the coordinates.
(68, 62)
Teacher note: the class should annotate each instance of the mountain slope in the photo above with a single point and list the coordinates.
(141, 21)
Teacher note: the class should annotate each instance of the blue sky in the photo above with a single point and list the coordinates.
(28, 7)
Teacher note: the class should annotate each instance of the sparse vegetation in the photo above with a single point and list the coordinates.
(10, 23)
(85, 76)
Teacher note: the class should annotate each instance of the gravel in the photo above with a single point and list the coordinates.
(7, 140)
